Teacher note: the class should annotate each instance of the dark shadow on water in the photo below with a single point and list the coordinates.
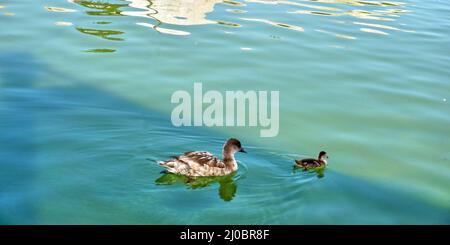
(227, 186)
(18, 72)
(25, 106)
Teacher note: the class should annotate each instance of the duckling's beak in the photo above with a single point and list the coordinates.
(242, 150)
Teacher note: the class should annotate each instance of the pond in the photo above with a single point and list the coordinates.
(85, 110)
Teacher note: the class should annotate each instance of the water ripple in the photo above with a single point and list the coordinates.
(292, 27)
(187, 13)
(58, 9)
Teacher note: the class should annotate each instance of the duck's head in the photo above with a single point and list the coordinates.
(233, 145)
(323, 156)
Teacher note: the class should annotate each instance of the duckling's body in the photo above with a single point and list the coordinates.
(202, 163)
(310, 163)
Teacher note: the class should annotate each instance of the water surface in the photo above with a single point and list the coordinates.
(85, 91)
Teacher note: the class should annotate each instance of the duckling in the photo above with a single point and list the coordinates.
(309, 163)
(202, 163)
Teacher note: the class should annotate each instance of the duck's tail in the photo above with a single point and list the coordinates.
(170, 165)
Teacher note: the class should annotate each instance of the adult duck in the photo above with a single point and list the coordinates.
(203, 163)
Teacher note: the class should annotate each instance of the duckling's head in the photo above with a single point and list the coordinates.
(233, 145)
(323, 156)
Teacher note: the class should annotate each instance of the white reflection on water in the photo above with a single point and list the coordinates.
(197, 12)
(59, 9)
(194, 12)
(164, 30)
(179, 12)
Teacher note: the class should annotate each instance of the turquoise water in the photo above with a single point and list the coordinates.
(85, 109)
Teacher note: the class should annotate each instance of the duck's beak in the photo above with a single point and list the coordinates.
(242, 150)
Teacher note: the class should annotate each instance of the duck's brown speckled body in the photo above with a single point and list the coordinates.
(309, 163)
(202, 163)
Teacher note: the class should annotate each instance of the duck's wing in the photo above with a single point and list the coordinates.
(203, 158)
(194, 160)
(307, 162)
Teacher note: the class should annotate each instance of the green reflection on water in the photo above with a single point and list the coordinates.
(320, 171)
(101, 50)
(225, 23)
(102, 33)
(227, 186)
(103, 22)
(235, 3)
(106, 9)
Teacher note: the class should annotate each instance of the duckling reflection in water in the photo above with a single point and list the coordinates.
(320, 171)
(227, 186)
(318, 165)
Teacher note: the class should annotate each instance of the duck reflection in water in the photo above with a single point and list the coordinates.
(227, 185)
(319, 171)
